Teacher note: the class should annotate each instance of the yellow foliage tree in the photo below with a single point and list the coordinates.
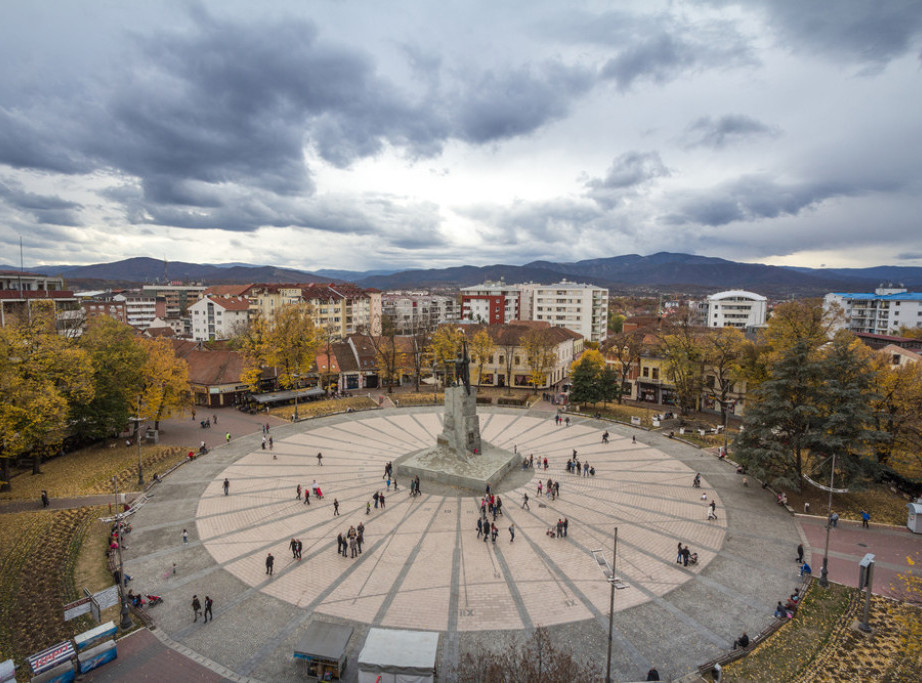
(41, 374)
(896, 412)
(445, 348)
(540, 352)
(482, 347)
(388, 356)
(592, 357)
(723, 354)
(252, 345)
(292, 343)
(164, 389)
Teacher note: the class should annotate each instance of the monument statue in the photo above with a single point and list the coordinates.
(459, 457)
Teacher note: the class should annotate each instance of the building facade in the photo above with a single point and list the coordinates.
(492, 303)
(736, 308)
(884, 312)
(578, 307)
(20, 292)
(414, 311)
(216, 317)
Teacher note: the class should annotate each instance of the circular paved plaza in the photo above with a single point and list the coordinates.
(423, 565)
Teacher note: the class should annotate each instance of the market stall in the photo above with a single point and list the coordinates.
(393, 656)
(323, 647)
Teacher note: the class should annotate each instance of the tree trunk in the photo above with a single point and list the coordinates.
(5, 475)
(37, 461)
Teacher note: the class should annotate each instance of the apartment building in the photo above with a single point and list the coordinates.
(578, 307)
(883, 312)
(340, 310)
(177, 297)
(140, 309)
(21, 291)
(216, 317)
(411, 311)
(96, 304)
(493, 303)
(735, 308)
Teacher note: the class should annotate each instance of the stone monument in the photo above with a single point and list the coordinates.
(460, 457)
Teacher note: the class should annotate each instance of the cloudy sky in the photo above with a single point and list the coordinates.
(361, 134)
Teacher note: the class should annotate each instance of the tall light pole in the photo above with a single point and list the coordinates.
(137, 420)
(126, 619)
(609, 572)
(824, 580)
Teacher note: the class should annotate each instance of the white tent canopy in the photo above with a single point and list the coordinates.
(398, 656)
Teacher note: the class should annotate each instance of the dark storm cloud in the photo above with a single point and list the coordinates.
(855, 30)
(627, 172)
(756, 197)
(523, 223)
(503, 105)
(43, 209)
(28, 139)
(727, 130)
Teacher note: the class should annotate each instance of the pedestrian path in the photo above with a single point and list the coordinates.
(423, 565)
(65, 503)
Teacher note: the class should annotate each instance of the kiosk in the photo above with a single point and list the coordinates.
(392, 656)
(323, 647)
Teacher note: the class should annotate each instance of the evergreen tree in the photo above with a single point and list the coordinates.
(584, 380)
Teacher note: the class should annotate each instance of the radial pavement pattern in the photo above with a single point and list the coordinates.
(422, 565)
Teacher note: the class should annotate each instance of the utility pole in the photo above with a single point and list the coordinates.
(824, 580)
(609, 572)
(126, 619)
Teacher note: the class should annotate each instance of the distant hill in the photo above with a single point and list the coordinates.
(143, 270)
(663, 272)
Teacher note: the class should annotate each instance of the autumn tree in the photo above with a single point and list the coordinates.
(252, 343)
(420, 345)
(684, 355)
(292, 344)
(625, 348)
(164, 388)
(508, 341)
(481, 348)
(540, 354)
(445, 347)
(536, 660)
(41, 375)
(723, 353)
(896, 410)
(117, 356)
(388, 356)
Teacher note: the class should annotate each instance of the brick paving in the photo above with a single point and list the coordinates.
(423, 566)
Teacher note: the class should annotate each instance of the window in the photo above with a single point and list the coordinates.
(655, 373)
(646, 371)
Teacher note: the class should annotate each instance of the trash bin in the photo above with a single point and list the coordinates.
(914, 522)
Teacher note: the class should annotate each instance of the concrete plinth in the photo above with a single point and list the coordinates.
(442, 465)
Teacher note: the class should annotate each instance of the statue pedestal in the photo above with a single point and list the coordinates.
(461, 426)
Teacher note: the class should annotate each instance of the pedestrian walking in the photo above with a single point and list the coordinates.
(800, 553)
(335, 507)
(226, 486)
(566, 523)
(381, 500)
(293, 546)
(196, 607)
(834, 520)
(865, 518)
(45, 501)
(360, 536)
(209, 603)
(214, 418)
(368, 507)
(227, 437)
(388, 483)
(634, 439)
(320, 459)
(307, 496)
(678, 556)
(511, 533)
(299, 548)
(270, 563)
(264, 443)
(270, 443)
(479, 526)
(340, 542)
(299, 492)
(185, 536)
(712, 510)
(494, 532)
(525, 502)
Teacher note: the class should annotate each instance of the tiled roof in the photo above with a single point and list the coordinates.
(231, 303)
(228, 290)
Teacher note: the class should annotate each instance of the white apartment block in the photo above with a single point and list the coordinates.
(578, 307)
(216, 317)
(140, 309)
(413, 311)
(884, 312)
(736, 308)
(178, 297)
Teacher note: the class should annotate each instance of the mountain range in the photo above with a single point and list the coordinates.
(663, 272)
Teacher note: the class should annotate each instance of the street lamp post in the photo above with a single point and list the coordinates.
(126, 619)
(609, 572)
(296, 398)
(824, 580)
(137, 420)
